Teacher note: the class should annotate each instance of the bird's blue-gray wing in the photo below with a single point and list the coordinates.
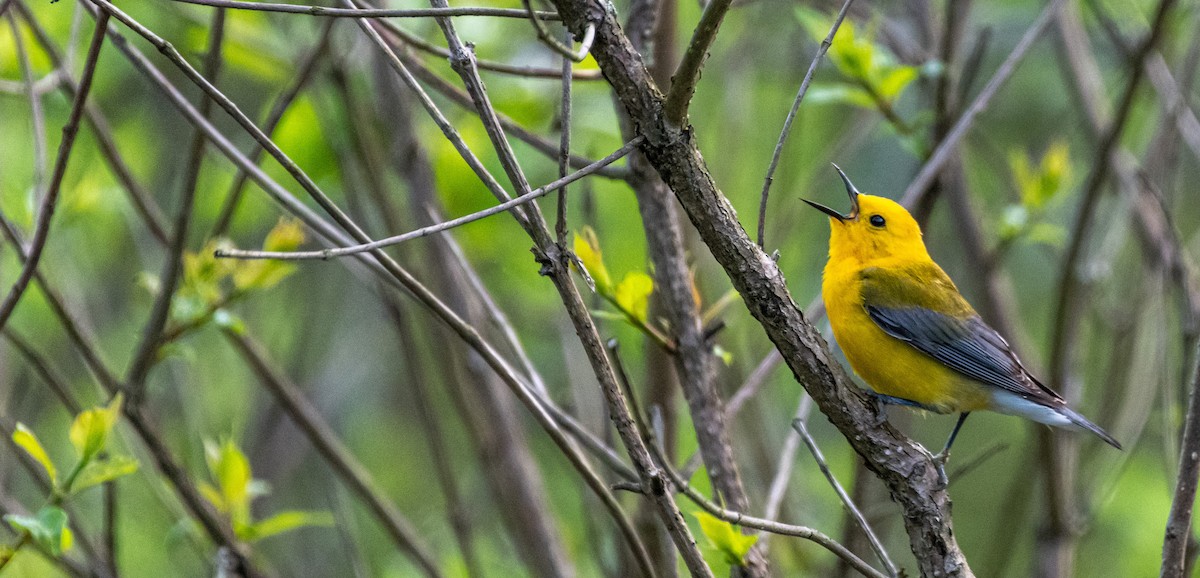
(963, 342)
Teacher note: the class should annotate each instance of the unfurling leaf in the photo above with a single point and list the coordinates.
(286, 235)
(23, 437)
(90, 430)
(47, 528)
(633, 295)
(840, 94)
(101, 471)
(1038, 186)
(231, 470)
(895, 81)
(587, 248)
(725, 538)
(203, 274)
(284, 522)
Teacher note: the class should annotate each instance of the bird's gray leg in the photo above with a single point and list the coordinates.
(943, 456)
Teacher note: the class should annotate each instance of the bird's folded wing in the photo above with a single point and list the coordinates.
(922, 308)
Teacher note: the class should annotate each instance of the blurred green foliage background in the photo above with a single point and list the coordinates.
(324, 326)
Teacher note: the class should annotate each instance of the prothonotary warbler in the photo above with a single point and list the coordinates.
(908, 332)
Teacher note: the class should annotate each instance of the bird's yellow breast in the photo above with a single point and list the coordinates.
(891, 366)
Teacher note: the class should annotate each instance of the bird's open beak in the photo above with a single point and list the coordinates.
(851, 190)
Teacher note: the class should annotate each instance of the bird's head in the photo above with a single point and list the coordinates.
(875, 228)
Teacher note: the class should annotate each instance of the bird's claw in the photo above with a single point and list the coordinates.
(880, 408)
(939, 461)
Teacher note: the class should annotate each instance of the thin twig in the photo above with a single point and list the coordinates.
(564, 152)
(787, 123)
(564, 50)
(461, 98)
(1179, 521)
(801, 428)
(147, 350)
(740, 519)
(304, 72)
(49, 201)
(426, 231)
(219, 531)
(593, 444)
(381, 264)
(687, 74)
(142, 202)
(463, 62)
(37, 115)
(501, 67)
(783, 472)
(370, 12)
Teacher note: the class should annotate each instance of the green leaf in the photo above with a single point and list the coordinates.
(587, 248)
(203, 274)
(24, 437)
(609, 315)
(100, 471)
(90, 430)
(1038, 186)
(725, 538)
(895, 81)
(633, 294)
(284, 522)
(47, 528)
(231, 470)
(285, 236)
(839, 94)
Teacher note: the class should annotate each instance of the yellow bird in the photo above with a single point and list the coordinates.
(911, 336)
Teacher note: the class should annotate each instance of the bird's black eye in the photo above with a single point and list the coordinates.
(877, 221)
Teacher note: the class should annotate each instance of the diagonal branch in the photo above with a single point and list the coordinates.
(687, 74)
(49, 202)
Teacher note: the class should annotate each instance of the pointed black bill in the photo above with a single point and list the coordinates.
(851, 190)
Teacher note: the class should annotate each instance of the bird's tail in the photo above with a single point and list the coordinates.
(1083, 423)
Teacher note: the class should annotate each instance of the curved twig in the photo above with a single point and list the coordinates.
(787, 123)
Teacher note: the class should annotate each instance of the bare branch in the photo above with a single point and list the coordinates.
(515, 70)
(49, 201)
(791, 116)
(147, 350)
(687, 74)
(801, 428)
(740, 519)
(370, 12)
(565, 51)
